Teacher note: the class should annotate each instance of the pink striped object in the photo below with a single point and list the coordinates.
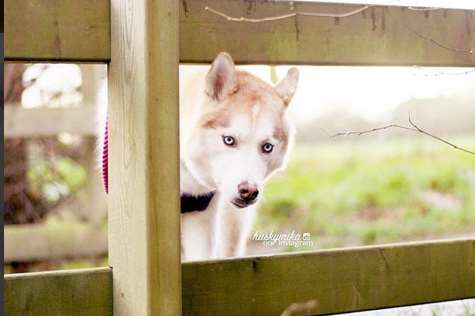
(105, 157)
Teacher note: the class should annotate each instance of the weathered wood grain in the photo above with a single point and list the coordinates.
(144, 206)
(339, 280)
(82, 292)
(40, 122)
(380, 35)
(57, 30)
(428, 4)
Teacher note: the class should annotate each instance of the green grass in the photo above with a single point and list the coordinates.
(348, 194)
(366, 193)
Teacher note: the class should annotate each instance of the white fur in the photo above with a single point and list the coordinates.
(222, 230)
(207, 164)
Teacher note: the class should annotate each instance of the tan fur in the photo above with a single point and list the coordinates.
(215, 119)
(250, 93)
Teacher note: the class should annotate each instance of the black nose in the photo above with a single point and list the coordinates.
(248, 191)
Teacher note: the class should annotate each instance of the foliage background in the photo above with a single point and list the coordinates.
(387, 186)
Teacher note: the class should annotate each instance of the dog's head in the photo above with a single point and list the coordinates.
(243, 134)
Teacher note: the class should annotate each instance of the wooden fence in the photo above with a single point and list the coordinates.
(143, 41)
(40, 122)
(63, 239)
(338, 280)
(69, 238)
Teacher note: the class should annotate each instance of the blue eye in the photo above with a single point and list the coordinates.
(267, 148)
(229, 141)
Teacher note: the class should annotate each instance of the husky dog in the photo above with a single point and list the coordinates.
(234, 134)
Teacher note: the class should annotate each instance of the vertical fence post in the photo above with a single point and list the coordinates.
(144, 216)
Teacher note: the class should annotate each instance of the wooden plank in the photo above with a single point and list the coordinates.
(75, 292)
(40, 122)
(380, 35)
(338, 280)
(144, 211)
(420, 4)
(54, 30)
(53, 240)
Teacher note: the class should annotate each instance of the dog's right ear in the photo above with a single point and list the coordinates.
(221, 79)
(287, 86)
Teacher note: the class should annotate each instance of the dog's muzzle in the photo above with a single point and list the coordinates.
(241, 203)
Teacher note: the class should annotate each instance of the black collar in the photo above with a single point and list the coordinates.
(192, 203)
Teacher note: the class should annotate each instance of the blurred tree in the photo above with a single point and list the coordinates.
(21, 205)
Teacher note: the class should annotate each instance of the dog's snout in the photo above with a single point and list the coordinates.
(248, 191)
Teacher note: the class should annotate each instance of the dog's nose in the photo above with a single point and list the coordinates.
(248, 191)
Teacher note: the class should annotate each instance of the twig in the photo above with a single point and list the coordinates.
(423, 9)
(359, 133)
(430, 39)
(439, 44)
(414, 128)
(286, 16)
(295, 308)
(340, 15)
(438, 138)
(442, 73)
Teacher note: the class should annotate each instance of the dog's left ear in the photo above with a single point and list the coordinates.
(221, 79)
(287, 86)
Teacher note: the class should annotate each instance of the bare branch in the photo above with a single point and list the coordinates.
(298, 308)
(413, 127)
(423, 9)
(417, 128)
(286, 16)
(359, 133)
(340, 15)
(441, 73)
(430, 39)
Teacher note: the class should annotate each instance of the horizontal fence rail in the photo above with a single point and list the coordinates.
(40, 122)
(377, 35)
(53, 241)
(337, 280)
(69, 292)
(57, 30)
(70, 30)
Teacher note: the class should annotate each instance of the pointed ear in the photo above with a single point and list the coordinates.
(287, 86)
(221, 79)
